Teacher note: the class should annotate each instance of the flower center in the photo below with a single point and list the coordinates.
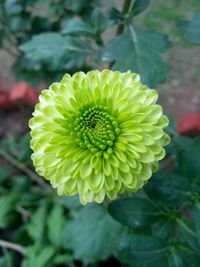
(96, 128)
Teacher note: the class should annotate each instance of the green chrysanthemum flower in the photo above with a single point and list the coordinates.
(98, 134)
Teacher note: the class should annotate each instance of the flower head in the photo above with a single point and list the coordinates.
(98, 134)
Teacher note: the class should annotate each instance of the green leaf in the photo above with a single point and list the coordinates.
(187, 164)
(70, 201)
(77, 27)
(133, 212)
(139, 51)
(38, 255)
(139, 249)
(36, 226)
(7, 260)
(167, 189)
(55, 225)
(116, 15)
(77, 6)
(91, 234)
(187, 233)
(99, 21)
(162, 228)
(175, 260)
(139, 6)
(12, 7)
(196, 217)
(161, 262)
(7, 210)
(51, 47)
(62, 259)
(45, 255)
(191, 29)
(189, 256)
(77, 52)
(55, 50)
(5, 172)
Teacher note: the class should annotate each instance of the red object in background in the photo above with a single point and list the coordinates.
(22, 91)
(5, 99)
(189, 124)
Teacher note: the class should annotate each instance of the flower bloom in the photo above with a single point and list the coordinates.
(98, 134)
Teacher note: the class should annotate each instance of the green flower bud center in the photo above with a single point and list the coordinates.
(96, 128)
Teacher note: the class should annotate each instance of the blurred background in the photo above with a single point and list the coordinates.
(39, 42)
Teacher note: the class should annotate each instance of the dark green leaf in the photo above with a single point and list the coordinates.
(167, 189)
(139, 51)
(5, 173)
(77, 27)
(162, 228)
(21, 182)
(196, 217)
(7, 210)
(92, 233)
(139, 6)
(191, 29)
(187, 233)
(187, 164)
(47, 46)
(191, 257)
(175, 260)
(99, 21)
(115, 15)
(133, 212)
(77, 6)
(20, 235)
(161, 262)
(56, 50)
(36, 226)
(55, 224)
(139, 249)
(77, 52)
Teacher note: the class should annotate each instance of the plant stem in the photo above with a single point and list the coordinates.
(25, 214)
(133, 34)
(12, 246)
(120, 27)
(125, 9)
(22, 167)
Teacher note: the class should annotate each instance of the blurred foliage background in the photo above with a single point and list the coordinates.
(159, 225)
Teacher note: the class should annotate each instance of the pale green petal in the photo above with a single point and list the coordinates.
(109, 183)
(99, 197)
(147, 157)
(85, 170)
(96, 181)
(146, 172)
(98, 134)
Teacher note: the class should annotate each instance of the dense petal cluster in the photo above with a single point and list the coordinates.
(98, 134)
